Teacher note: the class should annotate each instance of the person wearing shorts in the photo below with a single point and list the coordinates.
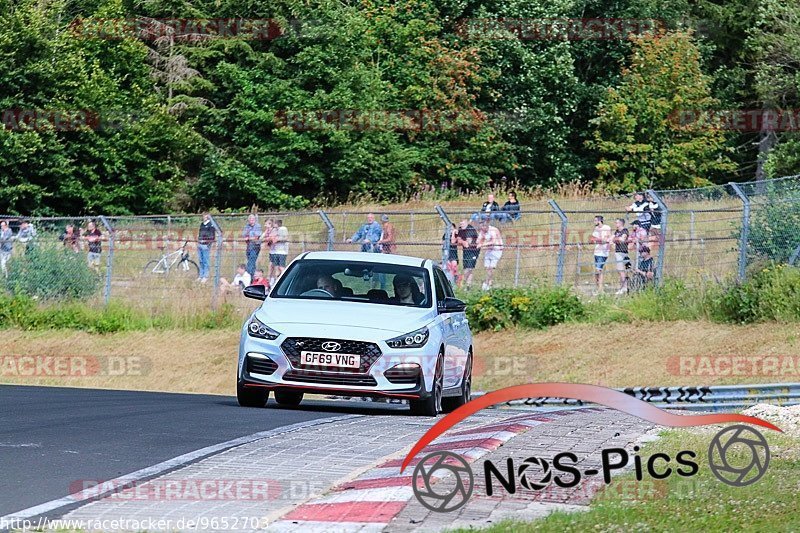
(278, 250)
(601, 236)
(623, 261)
(467, 238)
(490, 240)
(93, 237)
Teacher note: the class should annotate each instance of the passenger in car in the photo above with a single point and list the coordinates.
(406, 290)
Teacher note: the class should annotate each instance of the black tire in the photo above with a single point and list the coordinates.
(288, 397)
(192, 271)
(451, 404)
(432, 405)
(148, 268)
(251, 397)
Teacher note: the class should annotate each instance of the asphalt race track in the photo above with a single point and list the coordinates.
(53, 437)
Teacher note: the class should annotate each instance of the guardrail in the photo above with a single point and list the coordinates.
(704, 398)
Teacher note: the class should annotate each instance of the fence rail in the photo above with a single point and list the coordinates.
(703, 398)
(709, 233)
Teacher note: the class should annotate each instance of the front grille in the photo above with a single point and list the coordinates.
(402, 375)
(368, 351)
(257, 365)
(324, 378)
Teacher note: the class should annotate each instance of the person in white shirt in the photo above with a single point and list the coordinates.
(278, 250)
(601, 237)
(241, 280)
(490, 240)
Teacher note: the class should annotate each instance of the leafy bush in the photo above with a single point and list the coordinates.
(772, 293)
(536, 307)
(51, 273)
(775, 228)
(24, 313)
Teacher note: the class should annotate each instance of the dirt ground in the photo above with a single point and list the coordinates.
(667, 353)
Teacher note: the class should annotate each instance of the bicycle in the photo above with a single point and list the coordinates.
(177, 262)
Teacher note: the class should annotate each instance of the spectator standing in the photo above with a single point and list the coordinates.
(489, 207)
(511, 209)
(252, 235)
(452, 254)
(655, 222)
(491, 241)
(6, 246)
(642, 209)
(638, 236)
(70, 238)
(241, 280)
(26, 235)
(388, 241)
(206, 236)
(93, 237)
(278, 250)
(601, 237)
(623, 261)
(467, 238)
(645, 269)
(368, 235)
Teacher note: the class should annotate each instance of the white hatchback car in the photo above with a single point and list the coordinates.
(357, 324)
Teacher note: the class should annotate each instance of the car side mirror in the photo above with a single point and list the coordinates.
(256, 292)
(451, 305)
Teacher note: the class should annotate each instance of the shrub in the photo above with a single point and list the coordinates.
(536, 307)
(772, 293)
(51, 273)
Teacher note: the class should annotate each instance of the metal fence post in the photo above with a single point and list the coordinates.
(218, 265)
(448, 224)
(331, 230)
(662, 239)
(562, 241)
(516, 266)
(109, 259)
(745, 234)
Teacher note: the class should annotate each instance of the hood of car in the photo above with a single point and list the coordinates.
(311, 317)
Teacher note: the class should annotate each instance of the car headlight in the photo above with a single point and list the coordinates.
(415, 339)
(256, 328)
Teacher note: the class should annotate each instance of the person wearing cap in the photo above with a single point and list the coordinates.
(387, 241)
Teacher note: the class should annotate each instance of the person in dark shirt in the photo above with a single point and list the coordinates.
(206, 236)
(451, 245)
(645, 270)
(70, 238)
(511, 208)
(93, 237)
(489, 207)
(623, 261)
(467, 238)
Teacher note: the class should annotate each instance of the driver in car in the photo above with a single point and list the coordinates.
(328, 284)
(406, 290)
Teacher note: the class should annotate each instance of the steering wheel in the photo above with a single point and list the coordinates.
(318, 292)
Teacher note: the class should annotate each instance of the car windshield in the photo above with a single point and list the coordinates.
(317, 279)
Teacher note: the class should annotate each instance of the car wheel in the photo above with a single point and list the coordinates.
(252, 397)
(451, 404)
(432, 405)
(288, 397)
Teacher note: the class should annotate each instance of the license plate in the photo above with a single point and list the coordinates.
(341, 360)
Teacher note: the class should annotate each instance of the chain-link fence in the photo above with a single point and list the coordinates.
(189, 262)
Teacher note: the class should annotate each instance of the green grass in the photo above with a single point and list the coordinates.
(699, 503)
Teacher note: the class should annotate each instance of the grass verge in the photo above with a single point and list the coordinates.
(613, 355)
(699, 503)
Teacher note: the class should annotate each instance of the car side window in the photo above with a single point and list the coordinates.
(448, 287)
(438, 287)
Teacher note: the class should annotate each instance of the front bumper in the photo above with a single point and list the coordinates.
(266, 364)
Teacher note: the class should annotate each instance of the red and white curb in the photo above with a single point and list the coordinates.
(373, 499)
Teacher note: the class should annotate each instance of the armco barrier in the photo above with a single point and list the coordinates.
(704, 398)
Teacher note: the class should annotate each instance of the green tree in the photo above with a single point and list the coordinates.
(640, 133)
